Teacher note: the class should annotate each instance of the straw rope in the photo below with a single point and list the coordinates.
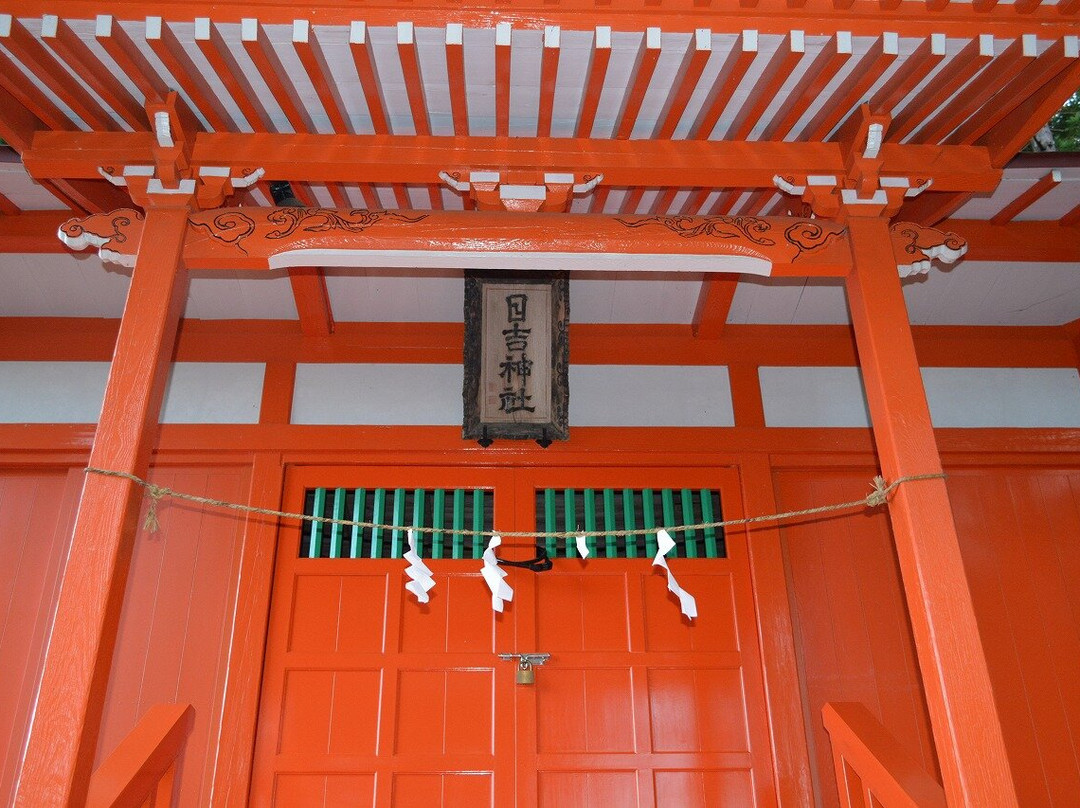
(878, 496)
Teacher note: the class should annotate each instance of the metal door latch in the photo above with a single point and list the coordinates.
(526, 673)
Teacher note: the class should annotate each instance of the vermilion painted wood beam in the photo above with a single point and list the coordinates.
(93, 196)
(644, 67)
(1007, 138)
(594, 85)
(964, 718)
(455, 77)
(19, 96)
(685, 83)
(549, 73)
(418, 160)
(164, 43)
(768, 85)
(1045, 185)
(1071, 218)
(713, 305)
(63, 40)
(60, 750)
(833, 56)
(17, 123)
(7, 207)
(262, 53)
(312, 57)
(862, 77)
(312, 301)
(740, 58)
(368, 73)
(414, 81)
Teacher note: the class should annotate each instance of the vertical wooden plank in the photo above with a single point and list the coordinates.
(478, 542)
(707, 515)
(315, 529)
(418, 520)
(337, 530)
(629, 522)
(438, 506)
(378, 517)
(649, 520)
(590, 520)
(687, 497)
(611, 543)
(459, 523)
(58, 758)
(569, 521)
(967, 728)
(399, 523)
(550, 521)
(247, 637)
(359, 501)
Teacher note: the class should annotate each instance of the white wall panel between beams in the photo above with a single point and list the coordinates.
(52, 392)
(213, 393)
(1003, 397)
(650, 395)
(378, 394)
(813, 397)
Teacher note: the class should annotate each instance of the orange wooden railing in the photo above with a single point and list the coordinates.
(141, 771)
(872, 769)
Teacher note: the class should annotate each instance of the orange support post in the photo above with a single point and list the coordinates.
(60, 750)
(967, 729)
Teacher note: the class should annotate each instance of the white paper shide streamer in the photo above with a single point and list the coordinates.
(686, 601)
(494, 575)
(420, 581)
(583, 546)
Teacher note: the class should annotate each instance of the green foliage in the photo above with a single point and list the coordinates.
(1065, 125)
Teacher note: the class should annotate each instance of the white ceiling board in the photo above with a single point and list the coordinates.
(480, 78)
(240, 296)
(525, 62)
(1016, 181)
(395, 297)
(983, 293)
(788, 301)
(662, 299)
(663, 83)
(61, 285)
(23, 191)
(334, 40)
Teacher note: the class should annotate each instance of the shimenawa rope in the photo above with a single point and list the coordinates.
(878, 496)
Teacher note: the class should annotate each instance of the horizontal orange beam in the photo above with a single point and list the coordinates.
(418, 160)
(91, 339)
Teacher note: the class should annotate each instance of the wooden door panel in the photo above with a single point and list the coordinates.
(326, 790)
(587, 789)
(457, 619)
(330, 712)
(697, 710)
(582, 610)
(331, 612)
(467, 789)
(584, 710)
(716, 627)
(704, 789)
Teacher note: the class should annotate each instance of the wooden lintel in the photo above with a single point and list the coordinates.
(419, 160)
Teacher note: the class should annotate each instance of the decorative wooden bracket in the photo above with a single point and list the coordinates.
(529, 192)
(863, 190)
(171, 173)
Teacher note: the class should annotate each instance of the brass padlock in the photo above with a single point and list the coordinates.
(526, 674)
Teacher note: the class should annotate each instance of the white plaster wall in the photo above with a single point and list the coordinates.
(52, 392)
(213, 393)
(378, 394)
(813, 396)
(1003, 397)
(72, 392)
(650, 395)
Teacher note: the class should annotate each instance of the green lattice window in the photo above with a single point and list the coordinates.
(446, 509)
(614, 509)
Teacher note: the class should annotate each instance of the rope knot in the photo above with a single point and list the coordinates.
(880, 493)
(155, 492)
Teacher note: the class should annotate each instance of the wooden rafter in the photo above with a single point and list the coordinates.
(645, 66)
(1045, 185)
(223, 61)
(167, 47)
(594, 85)
(686, 80)
(311, 55)
(713, 305)
(731, 73)
(414, 80)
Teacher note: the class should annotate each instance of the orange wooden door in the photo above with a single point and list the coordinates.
(639, 706)
(370, 698)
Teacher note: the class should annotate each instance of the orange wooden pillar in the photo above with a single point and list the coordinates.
(965, 721)
(64, 731)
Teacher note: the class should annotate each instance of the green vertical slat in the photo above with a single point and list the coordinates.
(378, 516)
(648, 516)
(359, 500)
(611, 543)
(667, 499)
(628, 521)
(418, 519)
(399, 522)
(569, 522)
(551, 519)
(459, 523)
(688, 519)
(478, 542)
(590, 519)
(337, 530)
(317, 527)
(707, 516)
(438, 505)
